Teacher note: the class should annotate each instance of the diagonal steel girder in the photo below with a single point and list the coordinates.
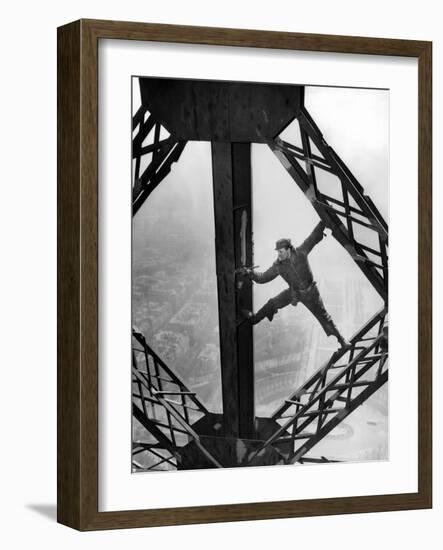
(164, 153)
(156, 384)
(334, 420)
(320, 399)
(168, 152)
(291, 158)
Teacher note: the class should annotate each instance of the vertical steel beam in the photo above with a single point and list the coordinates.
(242, 194)
(231, 167)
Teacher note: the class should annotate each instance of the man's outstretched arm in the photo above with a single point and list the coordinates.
(314, 238)
(268, 275)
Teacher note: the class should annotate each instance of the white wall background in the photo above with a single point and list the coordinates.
(28, 274)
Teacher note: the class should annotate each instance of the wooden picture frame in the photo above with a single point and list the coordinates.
(78, 273)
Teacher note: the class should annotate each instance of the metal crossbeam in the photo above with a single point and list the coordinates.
(339, 214)
(335, 420)
(168, 421)
(316, 407)
(164, 153)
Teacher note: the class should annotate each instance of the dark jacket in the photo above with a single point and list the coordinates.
(296, 270)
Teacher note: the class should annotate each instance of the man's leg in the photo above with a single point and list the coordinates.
(271, 307)
(313, 301)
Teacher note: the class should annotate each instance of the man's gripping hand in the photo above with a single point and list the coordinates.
(244, 271)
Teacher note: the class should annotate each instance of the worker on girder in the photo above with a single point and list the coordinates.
(293, 266)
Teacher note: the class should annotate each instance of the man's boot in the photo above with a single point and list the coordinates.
(333, 331)
(251, 317)
(342, 341)
(268, 310)
(247, 315)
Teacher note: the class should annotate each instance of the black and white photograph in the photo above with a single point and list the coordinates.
(259, 274)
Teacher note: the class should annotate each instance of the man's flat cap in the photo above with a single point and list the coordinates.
(283, 243)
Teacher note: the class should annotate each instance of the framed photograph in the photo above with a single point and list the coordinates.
(244, 275)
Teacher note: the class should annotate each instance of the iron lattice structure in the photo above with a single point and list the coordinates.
(348, 379)
(344, 208)
(166, 409)
(162, 404)
(161, 152)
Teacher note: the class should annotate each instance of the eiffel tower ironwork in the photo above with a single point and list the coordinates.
(179, 431)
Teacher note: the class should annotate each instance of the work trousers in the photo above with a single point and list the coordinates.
(310, 298)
